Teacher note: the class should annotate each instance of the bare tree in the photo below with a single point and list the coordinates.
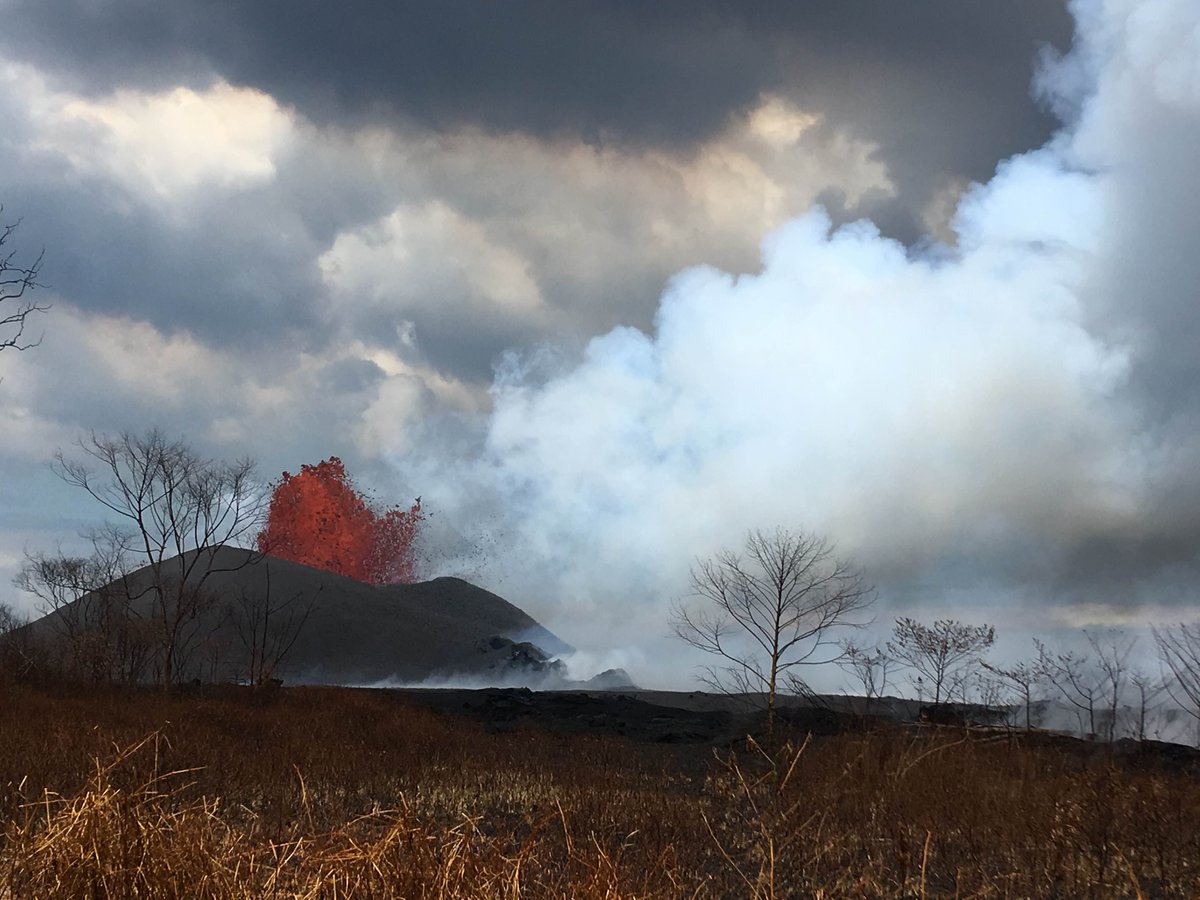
(1112, 665)
(268, 628)
(17, 279)
(1147, 688)
(18, 656)
(87, 599)
(72, 592)
(769, 610)
(939, 654)
(1179, 652)
(990, 691)
(9, 619)
(1094, 684)
(11, 657)
(869, 666)
(1078, 681)
(178, 510)
(1024, 678)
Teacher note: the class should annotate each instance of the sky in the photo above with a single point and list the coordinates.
(609, 284)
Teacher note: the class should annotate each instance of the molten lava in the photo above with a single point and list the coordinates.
(318, 518)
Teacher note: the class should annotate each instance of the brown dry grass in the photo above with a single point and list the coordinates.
(328, 793)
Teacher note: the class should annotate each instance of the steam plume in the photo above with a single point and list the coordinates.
(973, 423)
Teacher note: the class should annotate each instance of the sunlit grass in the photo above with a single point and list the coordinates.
(342, 793)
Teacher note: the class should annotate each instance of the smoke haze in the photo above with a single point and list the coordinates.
(976, 424)
(609, 289)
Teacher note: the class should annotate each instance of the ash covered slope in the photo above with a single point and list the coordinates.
(411, 632)
(355, 632)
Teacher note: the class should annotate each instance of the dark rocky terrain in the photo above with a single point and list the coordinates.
(712, 720)
(343, 631)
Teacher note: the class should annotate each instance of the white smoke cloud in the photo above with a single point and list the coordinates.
(961, 421)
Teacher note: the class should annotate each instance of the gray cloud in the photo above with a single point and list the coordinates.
(241, 265)
(941, 87)
(1009, 424)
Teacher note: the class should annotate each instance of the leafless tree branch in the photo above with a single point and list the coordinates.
(939, 652)
(18, 279)
(1179, 653)
(178, 510)
(770, 609)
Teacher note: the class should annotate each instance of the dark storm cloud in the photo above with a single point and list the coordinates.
(941, 87)
(220, 276)
(540, 67)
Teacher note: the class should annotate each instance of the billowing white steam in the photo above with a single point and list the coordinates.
(960, 420)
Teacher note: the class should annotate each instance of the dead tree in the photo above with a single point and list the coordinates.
(178, 511)
(1179, 652)
(1147, 689)
(9, 620)
(1023, 678)
(991, 692)
(72, 591)
(1112, 666)
(1077, 680)
(939, 653)
(268, 627)
(17, 280)
(769, 610)
(869, 666)
(99, 636)
(15, 659)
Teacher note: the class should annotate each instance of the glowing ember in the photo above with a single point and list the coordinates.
(318, 518)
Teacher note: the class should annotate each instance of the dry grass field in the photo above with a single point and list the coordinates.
(337, 793)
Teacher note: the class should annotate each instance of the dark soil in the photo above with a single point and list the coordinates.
(706, 720)
(625, 714)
